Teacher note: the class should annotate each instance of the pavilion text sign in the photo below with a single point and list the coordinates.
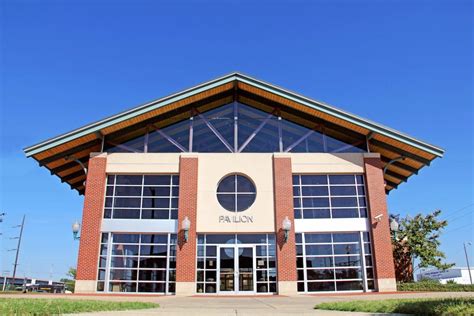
(236, 219)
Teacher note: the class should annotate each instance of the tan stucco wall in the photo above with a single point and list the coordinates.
(212, 168)
(386, 285)
(185, 288)
(327, 163)
(143, 163)
(85, 286)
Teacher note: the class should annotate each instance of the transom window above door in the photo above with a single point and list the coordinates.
(236, 193)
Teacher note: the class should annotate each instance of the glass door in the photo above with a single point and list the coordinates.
(227, 269)
(236, 269)
(246, 269)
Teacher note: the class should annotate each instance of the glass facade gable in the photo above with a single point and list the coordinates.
(235, 127)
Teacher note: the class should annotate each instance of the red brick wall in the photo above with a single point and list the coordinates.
(381, 242)
(92, 219)
(187, 205)
(283, 190)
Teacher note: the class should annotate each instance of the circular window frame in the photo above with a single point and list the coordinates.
(235, 192)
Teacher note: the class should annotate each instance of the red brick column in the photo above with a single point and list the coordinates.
(286, 251)
(91, 223)
(381, 242)
(186, 252)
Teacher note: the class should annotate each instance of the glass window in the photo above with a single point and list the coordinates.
(329, 196)
(139, 263)
(333, 262)
(236, 193)
(142, 197)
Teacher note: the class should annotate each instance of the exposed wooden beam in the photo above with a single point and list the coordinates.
(400, 151)
(69, 165)
(77, 184)
(399, 165)
(303, 115)
(390, 183)
(69, 152)
(396, 175)
(72, 175)
(167, 115)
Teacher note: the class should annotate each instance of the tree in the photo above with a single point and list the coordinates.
(70, 282)
(417, 239)
(72, 273)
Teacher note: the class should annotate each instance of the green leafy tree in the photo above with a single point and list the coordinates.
(70, 282)
(72, 273)
(417, 238)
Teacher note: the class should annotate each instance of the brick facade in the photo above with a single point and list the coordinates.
(92, 219)
(283, 195)
(186, 252)
(381, 242)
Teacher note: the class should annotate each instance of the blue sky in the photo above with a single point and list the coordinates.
(405, 64)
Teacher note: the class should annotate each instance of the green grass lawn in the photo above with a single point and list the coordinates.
(448, 306)
(40, 306)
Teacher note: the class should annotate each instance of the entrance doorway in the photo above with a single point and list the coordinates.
(233, 264)
(236, 269)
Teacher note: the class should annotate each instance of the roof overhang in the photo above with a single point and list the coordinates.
(56, 153)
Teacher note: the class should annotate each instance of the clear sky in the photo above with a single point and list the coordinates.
(405, 64)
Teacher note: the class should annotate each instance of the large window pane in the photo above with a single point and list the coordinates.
(342, 197)
(157, 198)
(333, 256)
(128, 180)
(134, 258)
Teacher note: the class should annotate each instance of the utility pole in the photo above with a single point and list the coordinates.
(18, 248)
(467, 260)
(2, 215)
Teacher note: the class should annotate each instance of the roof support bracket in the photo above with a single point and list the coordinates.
(72, 158)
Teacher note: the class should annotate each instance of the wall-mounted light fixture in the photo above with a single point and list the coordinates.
(394, 225)
(186, 224)
(378, 218)
(286, 226)
(76, 227)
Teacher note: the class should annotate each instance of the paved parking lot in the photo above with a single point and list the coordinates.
(250, 305)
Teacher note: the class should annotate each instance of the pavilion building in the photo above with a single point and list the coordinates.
(234, 186)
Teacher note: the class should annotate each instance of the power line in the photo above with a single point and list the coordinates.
(459, 217)
(453, 213)
(458, 228)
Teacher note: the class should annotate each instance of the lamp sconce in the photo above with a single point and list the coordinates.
(76, 227)
(186, 224)
(286, 226)
(378, 218)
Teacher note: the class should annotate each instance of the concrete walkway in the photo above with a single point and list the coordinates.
(250, 305)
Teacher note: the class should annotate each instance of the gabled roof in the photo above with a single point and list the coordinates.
(55, 153)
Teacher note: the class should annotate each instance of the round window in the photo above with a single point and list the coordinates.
(236, 193)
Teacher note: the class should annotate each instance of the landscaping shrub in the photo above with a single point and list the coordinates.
(434, 286)
(425, 307)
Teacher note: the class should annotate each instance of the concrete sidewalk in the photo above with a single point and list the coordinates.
(250, 305)
(226, 306)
